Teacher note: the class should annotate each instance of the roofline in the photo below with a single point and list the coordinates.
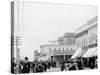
(87, 23)
(54, 45)
(81, 27)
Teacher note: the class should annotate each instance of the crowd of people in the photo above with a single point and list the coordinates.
(25, 66)
(79, 64)
(31, 67)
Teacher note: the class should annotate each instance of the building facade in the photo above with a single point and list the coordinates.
(86, 36)
(61, 51)
(58, 52)
(68, 39)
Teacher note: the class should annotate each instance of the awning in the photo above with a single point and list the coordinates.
(90, 52)
(78, 50)
(81, 53)
(95, 53)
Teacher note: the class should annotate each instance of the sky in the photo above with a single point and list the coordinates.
(41, 22)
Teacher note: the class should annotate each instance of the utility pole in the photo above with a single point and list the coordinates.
(16, 41)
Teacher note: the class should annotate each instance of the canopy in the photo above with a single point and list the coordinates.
(90, 52)
(81, 53)
(95, 53)
(78, 50)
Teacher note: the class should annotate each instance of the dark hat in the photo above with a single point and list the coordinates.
(26, 58)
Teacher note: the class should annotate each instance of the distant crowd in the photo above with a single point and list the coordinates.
(31, 67)
(25, 66)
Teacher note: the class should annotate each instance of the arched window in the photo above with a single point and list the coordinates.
(59, 49)
(55, 49)
(84, 42)
(71, 48)
(63, 48)
(96, 40)
(79, 43)
(67, 48)
(93, 38)
(49, 49)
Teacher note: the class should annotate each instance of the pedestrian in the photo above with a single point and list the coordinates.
(62, 66)
(26, 66)
(33, 65)
(44, 66)
(66, 66)
(49, 65)
(13, 65)
(79, 63)
(40, 68)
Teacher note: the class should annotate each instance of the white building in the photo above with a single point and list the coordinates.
(86, 39)
(61, 51)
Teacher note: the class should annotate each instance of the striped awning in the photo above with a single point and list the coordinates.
(84, 49)
(78, 50)
(81, 53)
(90, 52)
(95, 53)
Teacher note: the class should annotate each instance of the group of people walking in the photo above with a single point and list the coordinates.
(41, 66)
(71, 65)
(31, 67)
(79, 64)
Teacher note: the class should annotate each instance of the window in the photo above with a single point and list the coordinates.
(71, 49)
(59, 49)
(90, 40)
(63, 48)
(96, 38)
(93, 38)
(84, 42)
(49, 49)
(67, 48)
(55, 49)
(79, 43)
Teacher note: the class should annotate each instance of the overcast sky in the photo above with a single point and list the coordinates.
(45, 22)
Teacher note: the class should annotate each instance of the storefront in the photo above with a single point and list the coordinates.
(90, 56)
(86, 44)
(58, 56)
